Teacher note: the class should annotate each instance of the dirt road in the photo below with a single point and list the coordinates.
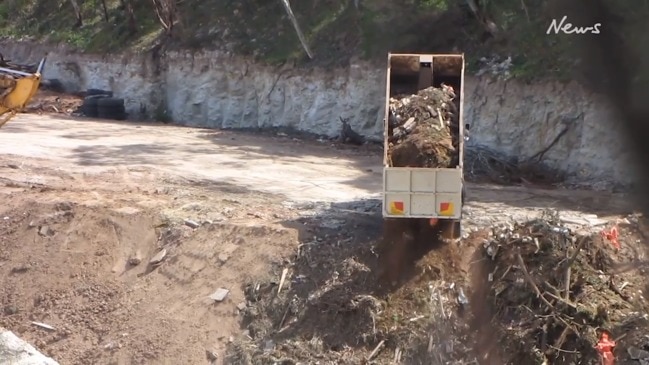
(304, 171)
(87, 204)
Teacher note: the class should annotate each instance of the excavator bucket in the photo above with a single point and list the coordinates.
(17, 87)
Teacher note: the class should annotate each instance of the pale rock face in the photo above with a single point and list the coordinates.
(15, 351)
(215, 89)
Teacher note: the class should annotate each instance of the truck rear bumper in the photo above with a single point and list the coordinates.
(411, 192)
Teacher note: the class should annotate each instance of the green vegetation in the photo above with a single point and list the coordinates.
(334, 29)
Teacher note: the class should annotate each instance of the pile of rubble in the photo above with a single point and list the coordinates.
(555, 293)
(545, 291)
(328, 306)
(424, 129)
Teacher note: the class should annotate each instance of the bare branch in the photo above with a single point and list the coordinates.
(289, 11)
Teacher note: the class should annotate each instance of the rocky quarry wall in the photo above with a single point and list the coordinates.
(216, 89)
(15, 351)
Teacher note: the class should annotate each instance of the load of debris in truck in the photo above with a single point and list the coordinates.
(424, 129)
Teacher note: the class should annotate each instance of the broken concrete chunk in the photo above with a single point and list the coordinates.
(584, 220)
(223, 258)
(241, 306)
(159, 257)
(10, 309)
(211, 355)
(638, 354)
(269, 346)
(45, 231)
(192, 224)
(220, 294)
(135, 259)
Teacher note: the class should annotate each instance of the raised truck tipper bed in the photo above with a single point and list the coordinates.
(423, 184)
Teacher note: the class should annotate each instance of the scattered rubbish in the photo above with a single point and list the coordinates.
(376, 350)
(544, 270)
(638, 354)
(220, 294)
(43, 325)
(281, 280)
(612, 236)
(461, 298)
(158, 258)
(269, 346)
(135, 259)
(590, 220)
(211, 355)
(192, 224)
(112, 346)
(605, 347)
(45, 231)
(223, 258)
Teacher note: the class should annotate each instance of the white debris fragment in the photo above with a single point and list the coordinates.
(220, 294)
(192, 224)
(43, 325)
(159, 257)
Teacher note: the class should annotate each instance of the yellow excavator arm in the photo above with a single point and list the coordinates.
(17, 88)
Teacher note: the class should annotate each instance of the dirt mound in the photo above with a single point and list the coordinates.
(423, 129)
(552, 293)
(85, 271)
(333, 308)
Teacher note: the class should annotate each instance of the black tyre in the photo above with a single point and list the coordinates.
(53, 84)
(111, 108)
(94, 92)
(111, 102)
(89, 106)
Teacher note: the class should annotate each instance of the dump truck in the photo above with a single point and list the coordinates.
(18, 85)
(422, 205)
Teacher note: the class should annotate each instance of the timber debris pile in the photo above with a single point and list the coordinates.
(424, 129)
(556, 293)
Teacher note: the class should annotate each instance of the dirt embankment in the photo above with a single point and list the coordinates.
(76, 256)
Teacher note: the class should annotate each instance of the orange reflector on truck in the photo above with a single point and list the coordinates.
(446, 209)
(396, 208)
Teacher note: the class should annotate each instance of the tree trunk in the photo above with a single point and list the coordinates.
(166, 12)
(77, 13)
(103, 5)
(128, 6)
